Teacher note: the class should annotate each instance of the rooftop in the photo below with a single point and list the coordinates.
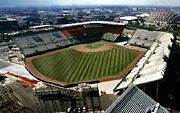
(92, 22)
(7, 19)
(40, 26)
(128, 18)
(134, 100)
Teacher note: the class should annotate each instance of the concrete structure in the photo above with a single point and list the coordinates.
(8, 24)
(162, 18)
(127, 20)
(152, 65)
(41, 27)
(67, 34)
(134, 100)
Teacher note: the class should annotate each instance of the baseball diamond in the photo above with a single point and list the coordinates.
(70, 65)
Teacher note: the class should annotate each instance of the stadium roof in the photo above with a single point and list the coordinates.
(143, 15)
(134, 100)
(128, 18)
(40, 26)
(7, 19)
(92, 22)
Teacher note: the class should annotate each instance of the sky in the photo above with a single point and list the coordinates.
(12, 3)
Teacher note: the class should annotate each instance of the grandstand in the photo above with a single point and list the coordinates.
(40, 42)
(144, 38)
(152, 65)
(109, 36)
(70, 34)
(134, 100)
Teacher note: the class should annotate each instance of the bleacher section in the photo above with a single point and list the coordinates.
(133, 100)
(109, 36)
(32, 43)
(152, 65)
(144, 38)
(40, 42)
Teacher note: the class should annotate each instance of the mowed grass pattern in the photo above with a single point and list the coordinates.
(70, 65)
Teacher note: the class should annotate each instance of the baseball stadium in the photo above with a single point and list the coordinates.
(89, 52)
(78, 53)
(81, 64)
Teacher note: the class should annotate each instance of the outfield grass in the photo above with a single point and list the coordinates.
(70, 65)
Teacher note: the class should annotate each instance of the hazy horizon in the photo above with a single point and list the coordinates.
(25, 3)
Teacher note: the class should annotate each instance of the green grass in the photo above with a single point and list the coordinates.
(70, 65)
(94, 45)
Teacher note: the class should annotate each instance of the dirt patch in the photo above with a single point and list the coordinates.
(83, 48)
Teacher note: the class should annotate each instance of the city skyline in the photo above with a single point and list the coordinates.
(24, 3)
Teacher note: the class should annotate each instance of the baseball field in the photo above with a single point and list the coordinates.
(84, 62)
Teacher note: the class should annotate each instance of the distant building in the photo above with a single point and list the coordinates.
(41, 27)
(162, 18)
(143, 15)
(63, 20)
(32, 21)
(131, 20)
(8, 24)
